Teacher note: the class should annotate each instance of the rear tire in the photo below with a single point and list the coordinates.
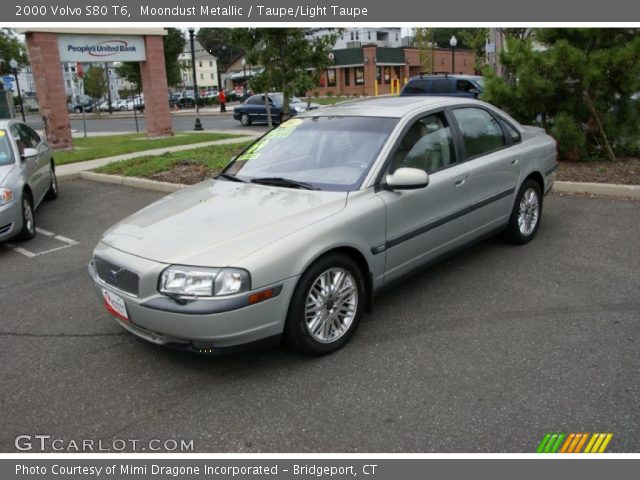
(326, 306)
(52, 193)
(527, 213)
(28, 230)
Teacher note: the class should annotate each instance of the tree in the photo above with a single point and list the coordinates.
(425, 43)
(287, 56)
(95, 83)
(577, 83)
(11, 48)
(173, 44)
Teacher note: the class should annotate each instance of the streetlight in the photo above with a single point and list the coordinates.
(198, 126)
(453, 42)
(14, 67)
(244, 72)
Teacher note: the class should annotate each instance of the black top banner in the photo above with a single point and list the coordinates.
(317, 11)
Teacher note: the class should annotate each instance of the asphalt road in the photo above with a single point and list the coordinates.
(180, 123)
(485, 352)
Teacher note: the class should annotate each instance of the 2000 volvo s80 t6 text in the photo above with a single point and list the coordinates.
(300, 230)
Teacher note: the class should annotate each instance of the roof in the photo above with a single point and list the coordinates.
(393, 107)
(348, 56)
(390, 55)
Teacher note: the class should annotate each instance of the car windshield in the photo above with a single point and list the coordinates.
(6, 156)
(328, 153)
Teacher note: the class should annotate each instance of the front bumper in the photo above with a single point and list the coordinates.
(200, 325)
(10, 219)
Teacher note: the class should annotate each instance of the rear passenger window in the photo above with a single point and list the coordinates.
(441, 86)
(464, 86)
(480, 131)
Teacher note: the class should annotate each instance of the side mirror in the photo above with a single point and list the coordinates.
(475, 92)
(407, 178)
(29, 153)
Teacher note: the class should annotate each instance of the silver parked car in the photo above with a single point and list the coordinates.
(27, 176)
(299, 231)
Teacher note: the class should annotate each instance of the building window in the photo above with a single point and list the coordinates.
(359, 73)
(378, 75)
(357, 35)
(202, 76)
(200, 63)
(331, 77)
(347, 77)
(369, 35)
(352, 35)
(212, 76)
(211, 63)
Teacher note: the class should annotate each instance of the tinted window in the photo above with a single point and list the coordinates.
(464, 86)
(480, 131)
(441, 86)
(255, 100)
(427, 145)
(416, 87)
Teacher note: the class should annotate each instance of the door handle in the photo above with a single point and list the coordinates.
(459, 181)
(514, 161)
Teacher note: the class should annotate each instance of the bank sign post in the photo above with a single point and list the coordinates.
(101, 48)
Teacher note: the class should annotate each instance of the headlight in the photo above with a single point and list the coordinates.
(300, 109)
(6, 195)
(203, 282)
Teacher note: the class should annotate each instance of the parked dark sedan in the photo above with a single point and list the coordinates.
(254, 110)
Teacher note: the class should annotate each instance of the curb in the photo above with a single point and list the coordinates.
(609, 189)
(134, 182)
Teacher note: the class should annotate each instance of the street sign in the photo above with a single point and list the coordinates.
(490, 47)
(8, 82)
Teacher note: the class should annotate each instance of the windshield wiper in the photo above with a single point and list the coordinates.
(284, 182)
(230, 177)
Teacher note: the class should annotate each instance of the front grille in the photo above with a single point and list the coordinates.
(5, 228)
(116, 276)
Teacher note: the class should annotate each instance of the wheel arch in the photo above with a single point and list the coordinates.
(538, 178)
(357, 256)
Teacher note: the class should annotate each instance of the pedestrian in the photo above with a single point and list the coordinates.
(223, 101)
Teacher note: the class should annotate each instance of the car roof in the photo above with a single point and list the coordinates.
(448, 75)
(393, 107)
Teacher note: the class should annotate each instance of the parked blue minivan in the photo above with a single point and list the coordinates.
(469, 86)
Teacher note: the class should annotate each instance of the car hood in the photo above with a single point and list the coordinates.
(218, 222)
(4, 172)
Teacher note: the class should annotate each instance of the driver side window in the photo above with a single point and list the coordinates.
(427, 145)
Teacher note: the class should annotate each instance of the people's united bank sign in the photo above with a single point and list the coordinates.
(101, 48)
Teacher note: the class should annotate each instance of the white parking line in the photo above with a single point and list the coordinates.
(23, 251)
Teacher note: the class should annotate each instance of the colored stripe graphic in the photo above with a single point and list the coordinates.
(573, 442)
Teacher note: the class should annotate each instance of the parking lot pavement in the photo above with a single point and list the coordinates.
(484, 352)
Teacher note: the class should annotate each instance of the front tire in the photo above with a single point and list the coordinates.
(52, 193)
(526, 214)
(326, 306)
(245, 120)
(28, 230)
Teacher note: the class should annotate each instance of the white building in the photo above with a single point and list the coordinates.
(357, 37)
(206, 68)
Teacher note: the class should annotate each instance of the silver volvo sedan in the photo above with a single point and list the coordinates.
(295, 236)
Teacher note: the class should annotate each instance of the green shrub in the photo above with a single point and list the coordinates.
(570, 137)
